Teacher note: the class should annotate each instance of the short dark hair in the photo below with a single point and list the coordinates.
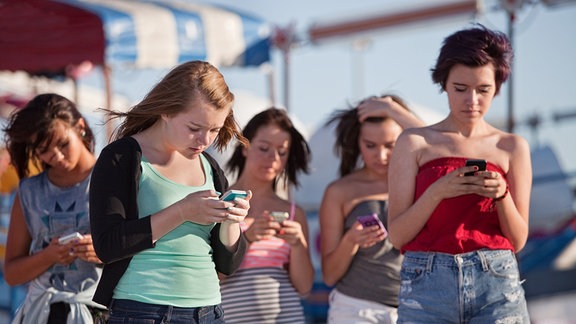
(474, 47)
(184, 83)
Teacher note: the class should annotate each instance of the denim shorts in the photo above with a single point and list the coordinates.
(477, 287)
(130, 311)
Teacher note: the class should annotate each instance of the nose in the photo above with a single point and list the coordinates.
(205, 139)
(472, 98)
(384, 153)
(56, 156)
(273, 154)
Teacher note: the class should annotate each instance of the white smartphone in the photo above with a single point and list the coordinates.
(279, 216)
(70, 237)
(230, 195)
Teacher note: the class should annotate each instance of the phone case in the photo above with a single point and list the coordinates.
(370, 220)
(230, 195)
(481, 164)
(279, 216)
(69, 238)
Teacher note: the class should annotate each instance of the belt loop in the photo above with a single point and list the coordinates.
(430, 262)
(483, 260)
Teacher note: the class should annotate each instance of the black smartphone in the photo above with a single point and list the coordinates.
(481, 164)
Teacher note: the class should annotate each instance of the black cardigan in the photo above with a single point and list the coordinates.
(118, 233)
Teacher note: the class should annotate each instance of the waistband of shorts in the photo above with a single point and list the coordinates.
(462, 259)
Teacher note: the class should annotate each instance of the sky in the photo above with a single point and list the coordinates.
(333, 74)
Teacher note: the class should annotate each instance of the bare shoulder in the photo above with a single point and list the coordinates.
(513, 143)
(339, 189)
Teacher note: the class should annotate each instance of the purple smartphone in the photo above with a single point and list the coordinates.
(371, 220)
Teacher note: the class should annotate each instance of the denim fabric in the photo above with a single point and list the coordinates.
(476, 287)
(129, 311)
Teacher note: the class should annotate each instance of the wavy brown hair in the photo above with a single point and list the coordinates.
(174, 92)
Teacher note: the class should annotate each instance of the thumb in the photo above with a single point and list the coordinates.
(211, 193)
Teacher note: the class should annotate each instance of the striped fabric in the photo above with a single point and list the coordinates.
(164, 33)
(47, 37)
(273, 252)
(260, 295)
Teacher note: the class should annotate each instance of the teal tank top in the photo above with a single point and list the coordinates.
(179, 270)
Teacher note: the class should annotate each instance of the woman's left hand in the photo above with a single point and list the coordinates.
(486, 183)
(291, 232)
(238, 211)
(84, 249)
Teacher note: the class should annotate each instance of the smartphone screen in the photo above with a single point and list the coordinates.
(279, 216)
(230, 195)
(481, 164)
(370, 220)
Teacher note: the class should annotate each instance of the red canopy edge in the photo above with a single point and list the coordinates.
(43, 36)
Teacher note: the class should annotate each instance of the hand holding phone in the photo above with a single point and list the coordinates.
(230, 195)
(279, 216)
(481, 164)
(69, 238)
(371, 220)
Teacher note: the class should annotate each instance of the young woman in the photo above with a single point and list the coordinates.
(277, 269)
(62, 277)
(359, 260)
(459, 233)
(157, 222)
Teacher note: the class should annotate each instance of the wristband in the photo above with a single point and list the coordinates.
(503, 195)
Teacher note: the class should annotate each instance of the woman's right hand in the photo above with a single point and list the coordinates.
(365, 237)
(60, 253)
(262, 227)
(204, 207)
(455, 183)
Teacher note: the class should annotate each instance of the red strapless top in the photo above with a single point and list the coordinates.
(460, 224)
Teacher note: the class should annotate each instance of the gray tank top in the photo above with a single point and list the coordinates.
(374, 273)
(52, 211)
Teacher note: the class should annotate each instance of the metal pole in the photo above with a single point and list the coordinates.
(511, 18)
(286, 53)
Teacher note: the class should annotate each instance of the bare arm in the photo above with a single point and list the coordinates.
(21, 267)
(338, 248)
(301, 269)
(230, 229)
(513, 210)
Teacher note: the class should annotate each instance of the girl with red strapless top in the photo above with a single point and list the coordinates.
(459, 233)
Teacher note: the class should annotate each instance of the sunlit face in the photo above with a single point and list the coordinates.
(64, 149)
(267, 154)
(376, 140)
(194, 129)
(470, 91)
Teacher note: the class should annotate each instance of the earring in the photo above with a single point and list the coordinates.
(83, 133)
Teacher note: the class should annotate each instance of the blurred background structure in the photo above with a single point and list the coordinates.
(312, 57)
